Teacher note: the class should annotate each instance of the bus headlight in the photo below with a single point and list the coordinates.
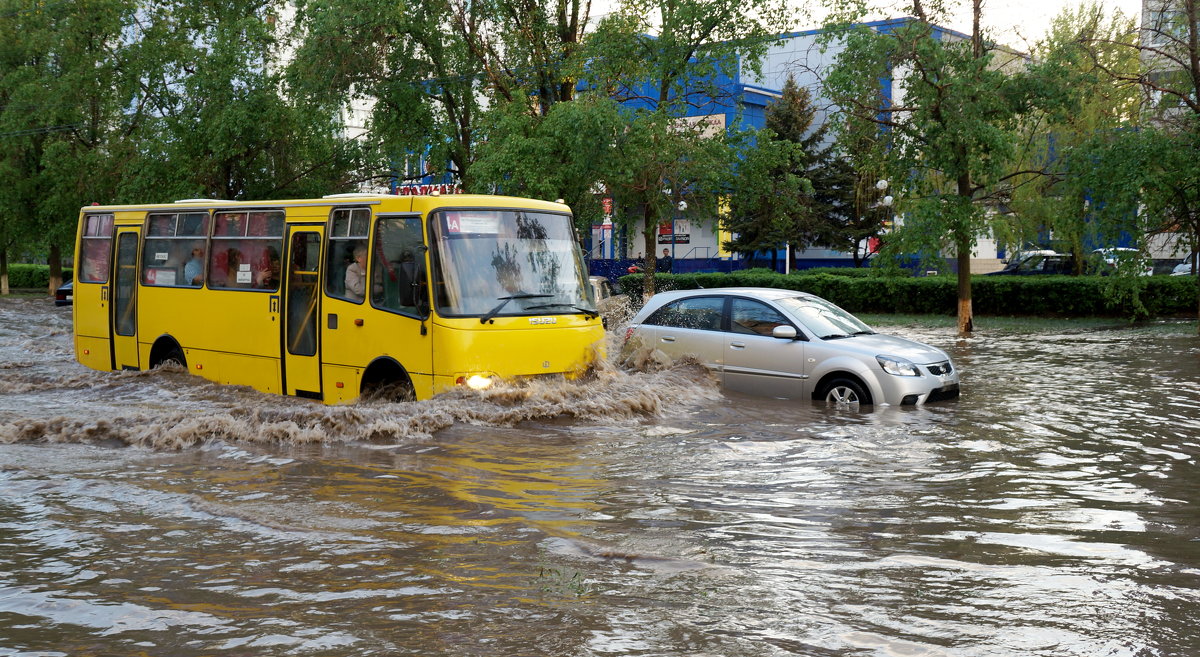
(476, 381)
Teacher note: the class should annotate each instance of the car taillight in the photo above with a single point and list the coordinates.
(628, 333)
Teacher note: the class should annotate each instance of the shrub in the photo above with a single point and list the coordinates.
(1046, 296)
(32, 277)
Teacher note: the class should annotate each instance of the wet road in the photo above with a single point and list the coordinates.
(1053, 510)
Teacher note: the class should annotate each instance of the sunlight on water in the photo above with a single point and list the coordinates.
(1051, 511)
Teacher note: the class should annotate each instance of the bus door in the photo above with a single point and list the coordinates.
(124, 301)
(302, 312)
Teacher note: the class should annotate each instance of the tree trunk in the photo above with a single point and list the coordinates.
(4, 271)
(651, 264)
(55, 260)
(966, 318)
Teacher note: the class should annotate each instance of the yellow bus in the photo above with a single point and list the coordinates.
(335, 297)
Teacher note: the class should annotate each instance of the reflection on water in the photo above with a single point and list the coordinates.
(1050, 511)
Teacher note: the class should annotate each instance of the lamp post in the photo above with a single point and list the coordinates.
(682, 206)
(884, 204)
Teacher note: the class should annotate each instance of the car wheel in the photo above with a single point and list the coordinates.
(845, 392)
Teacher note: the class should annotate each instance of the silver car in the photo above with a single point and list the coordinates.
(782, 343)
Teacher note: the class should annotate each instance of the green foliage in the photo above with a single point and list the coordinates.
(31, 277)
(792, 187)
(952, 142)
(666, 56)
(559, 155)
(130, 101)
(1049, 296)
(1095, 43)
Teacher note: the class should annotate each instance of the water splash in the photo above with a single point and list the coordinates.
(168, 408)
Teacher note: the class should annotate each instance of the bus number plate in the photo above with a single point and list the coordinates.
(543, 320)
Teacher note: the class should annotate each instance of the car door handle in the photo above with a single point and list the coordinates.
(737, 345)
(668, 338)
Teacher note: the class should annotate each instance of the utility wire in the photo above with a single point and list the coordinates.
(43, 130)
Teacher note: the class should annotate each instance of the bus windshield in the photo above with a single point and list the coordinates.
(508, 262)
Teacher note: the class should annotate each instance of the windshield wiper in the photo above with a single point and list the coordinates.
(586, 311)
(834, 336)
(504, 302)
(863, 333)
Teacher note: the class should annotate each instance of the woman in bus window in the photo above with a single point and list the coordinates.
(233, 266)
(268, 279)
(356, 275)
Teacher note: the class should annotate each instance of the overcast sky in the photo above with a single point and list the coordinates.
(1015, 23)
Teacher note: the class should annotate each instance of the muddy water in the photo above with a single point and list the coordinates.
(1053, 510)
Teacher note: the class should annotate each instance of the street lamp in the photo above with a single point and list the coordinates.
(682, 206)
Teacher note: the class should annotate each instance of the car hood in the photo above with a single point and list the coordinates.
(881, 344)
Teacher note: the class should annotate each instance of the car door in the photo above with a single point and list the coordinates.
(692, 326)
(757, 363)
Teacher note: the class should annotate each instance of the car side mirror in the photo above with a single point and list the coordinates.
(784, 332)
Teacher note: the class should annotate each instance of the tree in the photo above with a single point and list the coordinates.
(564, 154)
(223, 124)
(64, 112)
(429, 71)
(1094, 42)
(950, 136)
(774, 203)
(1147, 179)
(659, 58)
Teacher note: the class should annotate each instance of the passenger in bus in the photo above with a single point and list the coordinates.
(193, 270)
(268, 279)
(356, 275)
(233, 265)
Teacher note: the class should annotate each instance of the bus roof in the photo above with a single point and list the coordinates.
(391, 201)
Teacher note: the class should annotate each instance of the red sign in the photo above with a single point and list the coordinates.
(606, 203)
(425, 190)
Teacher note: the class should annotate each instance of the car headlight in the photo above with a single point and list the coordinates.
(897, 366)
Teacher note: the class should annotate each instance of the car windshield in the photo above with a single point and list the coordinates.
(508, 262)
(823, 319)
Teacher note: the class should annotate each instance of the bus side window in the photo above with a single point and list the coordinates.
(173, 250)
(245, 250)
(347, 232)
(398, 246)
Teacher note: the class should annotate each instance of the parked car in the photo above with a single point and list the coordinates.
(1185, 268)
(788, 344)
(613, 308)
(1120, 258)
(1038, 262)
(62, 296)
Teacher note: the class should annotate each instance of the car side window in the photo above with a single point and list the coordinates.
(703, 313)
(1033, 263)
(754, 318)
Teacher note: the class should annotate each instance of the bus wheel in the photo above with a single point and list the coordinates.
(386, 381)
(167, 351)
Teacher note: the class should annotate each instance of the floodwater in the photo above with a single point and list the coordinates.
(1053, 510)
